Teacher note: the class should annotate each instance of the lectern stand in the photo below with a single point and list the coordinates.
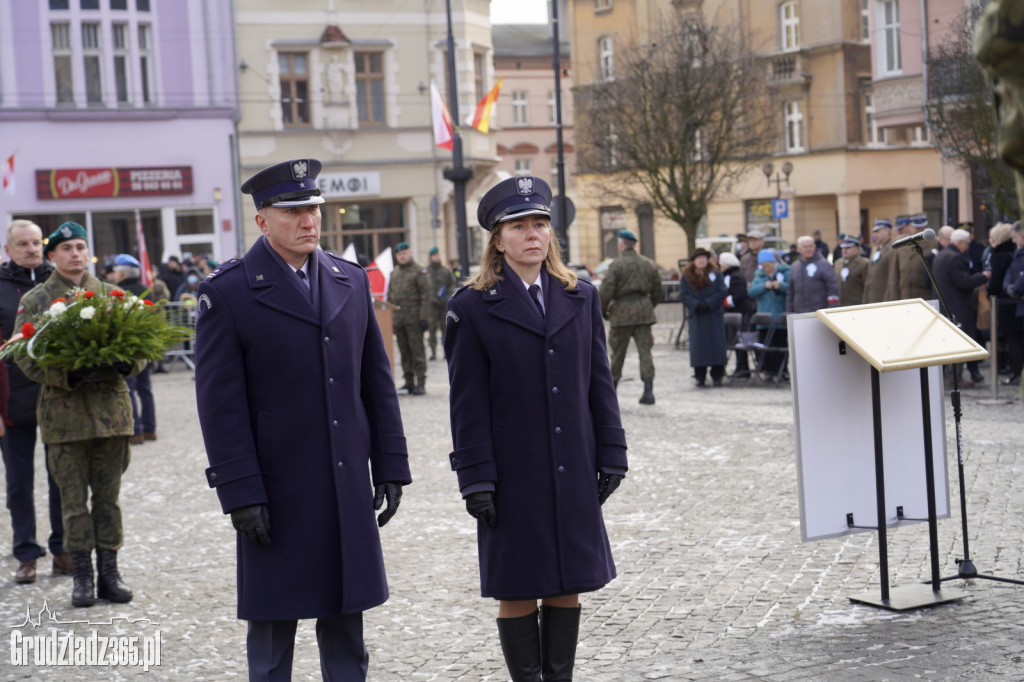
(890, 337)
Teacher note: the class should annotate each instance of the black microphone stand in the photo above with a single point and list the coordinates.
(965, 567)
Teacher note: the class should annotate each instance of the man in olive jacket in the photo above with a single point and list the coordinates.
(629, 292)
(85, 418)
(409, 289)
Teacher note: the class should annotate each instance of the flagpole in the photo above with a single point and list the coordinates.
(562, 228)
(458, 174)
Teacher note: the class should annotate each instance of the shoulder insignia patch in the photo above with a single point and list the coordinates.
(451, 315)
(204, 298)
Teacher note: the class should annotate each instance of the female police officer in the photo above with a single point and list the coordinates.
(538, 443)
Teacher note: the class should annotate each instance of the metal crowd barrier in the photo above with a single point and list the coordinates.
(182, 314)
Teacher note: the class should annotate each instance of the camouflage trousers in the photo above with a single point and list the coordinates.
(618, 342)
(414, 354)
(436, 320)
(96, 465)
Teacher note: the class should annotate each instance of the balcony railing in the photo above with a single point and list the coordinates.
(785, 69)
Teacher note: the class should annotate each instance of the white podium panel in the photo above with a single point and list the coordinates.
(835, 436)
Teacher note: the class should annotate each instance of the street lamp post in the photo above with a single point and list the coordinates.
(767, 167)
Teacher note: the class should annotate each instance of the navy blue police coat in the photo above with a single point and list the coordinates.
(534, 411)
(298, 409)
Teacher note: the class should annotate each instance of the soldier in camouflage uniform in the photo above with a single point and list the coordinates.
(442, 286)
(409, 289)
(85, 417)
(629, 292)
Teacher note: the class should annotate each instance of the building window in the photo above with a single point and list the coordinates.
(142, 5)
(790, 27)
(794, 127)
(121, 60)
(294, 74)
(889, 15)
(554, 173)
(865, 20)
(371, 226)
(90, 4)
(552, 110)
(59, 4)
(876, 136)
(606, 57)
(370, 88)
(479, 75)
(60, 34)
(92, 59)
(524, 167)
(520, 108)
(145, 64)
(602, 5)
(119, 4)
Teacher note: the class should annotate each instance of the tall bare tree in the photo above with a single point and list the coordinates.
(961, 113)
(682, 115)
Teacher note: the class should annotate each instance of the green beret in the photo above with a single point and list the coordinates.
(401, 246)
(64, 233)
(626, 234)
(433, 251)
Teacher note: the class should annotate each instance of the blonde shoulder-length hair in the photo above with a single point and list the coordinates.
(493, 261)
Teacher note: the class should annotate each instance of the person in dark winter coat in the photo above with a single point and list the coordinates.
(128, 275)
(812, 281)
(702, 291)
(738, 301)
(1007, 321)
(302, 428)
(1013, 286)
(26, 268)
(538, 442)
(956, 284)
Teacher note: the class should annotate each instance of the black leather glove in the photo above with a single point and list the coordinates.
(254, 522)
(606, 485)
(124, 368)
(423, 325)
(481, 506)
(702, 308)
(393, 493)
(84, 374)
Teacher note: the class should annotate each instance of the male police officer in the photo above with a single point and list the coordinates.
(409, 289)
(630, 290)
(907, 276)
(298, 409)
(85, 418)
(442, 286)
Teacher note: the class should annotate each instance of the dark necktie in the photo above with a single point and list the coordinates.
(534, 294)
(305, 282)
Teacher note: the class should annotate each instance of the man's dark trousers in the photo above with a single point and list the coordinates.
(143, 408)
(19, 445)
(270, 647)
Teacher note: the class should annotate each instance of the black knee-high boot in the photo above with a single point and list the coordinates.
(520, 643)
(559, 630)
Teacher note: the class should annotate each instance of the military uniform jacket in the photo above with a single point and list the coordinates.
(89, 409)
(630, 290)
(907, 277)
(878, 273)
(298, 410)
(442, 286)
(534, 411)
(409, 289)
(852, 276)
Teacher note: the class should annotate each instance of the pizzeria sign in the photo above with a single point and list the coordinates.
(97, 183)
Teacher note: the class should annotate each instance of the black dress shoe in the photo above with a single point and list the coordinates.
(26, 572)
(977, 378)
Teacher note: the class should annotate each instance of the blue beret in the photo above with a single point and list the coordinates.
(290, 183)
(432, 251)
(401, 246)
(127, 259)
(626, 234)
(64, 233)
(919, 221)
(765, 255)
(513, 198)
(880, 223)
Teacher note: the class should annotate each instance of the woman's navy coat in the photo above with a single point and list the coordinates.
(297, 410)
(534, 411)
(707, 330)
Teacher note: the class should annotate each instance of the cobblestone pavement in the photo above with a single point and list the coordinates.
(714, 583)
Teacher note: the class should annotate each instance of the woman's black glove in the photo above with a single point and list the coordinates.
(481, 506)
(702, 308)
(424, 325)
(606, 485)
(254, 522)
(393, 493)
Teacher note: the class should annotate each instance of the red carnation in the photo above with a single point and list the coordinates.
(89, 294)
(60, 300)
(118, 293)
(28, 330)
(147, 301)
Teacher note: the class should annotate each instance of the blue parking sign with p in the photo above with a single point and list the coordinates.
(780, 208)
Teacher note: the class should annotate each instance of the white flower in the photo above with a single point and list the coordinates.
(87, 313)
(57, 308)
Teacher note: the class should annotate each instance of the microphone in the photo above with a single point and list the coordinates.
(927, 233)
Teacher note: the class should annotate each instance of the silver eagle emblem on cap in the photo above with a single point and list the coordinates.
(300, 169)
(524, 186)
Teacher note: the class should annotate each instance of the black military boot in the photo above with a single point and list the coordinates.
(559, 630)
(419, 388)
(409, 383)
(83, 591)
(520, 644)
(109, 585)
(648, 397)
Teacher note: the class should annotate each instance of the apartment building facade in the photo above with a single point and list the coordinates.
(848, 163)
(116, 112)
(348, 82)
